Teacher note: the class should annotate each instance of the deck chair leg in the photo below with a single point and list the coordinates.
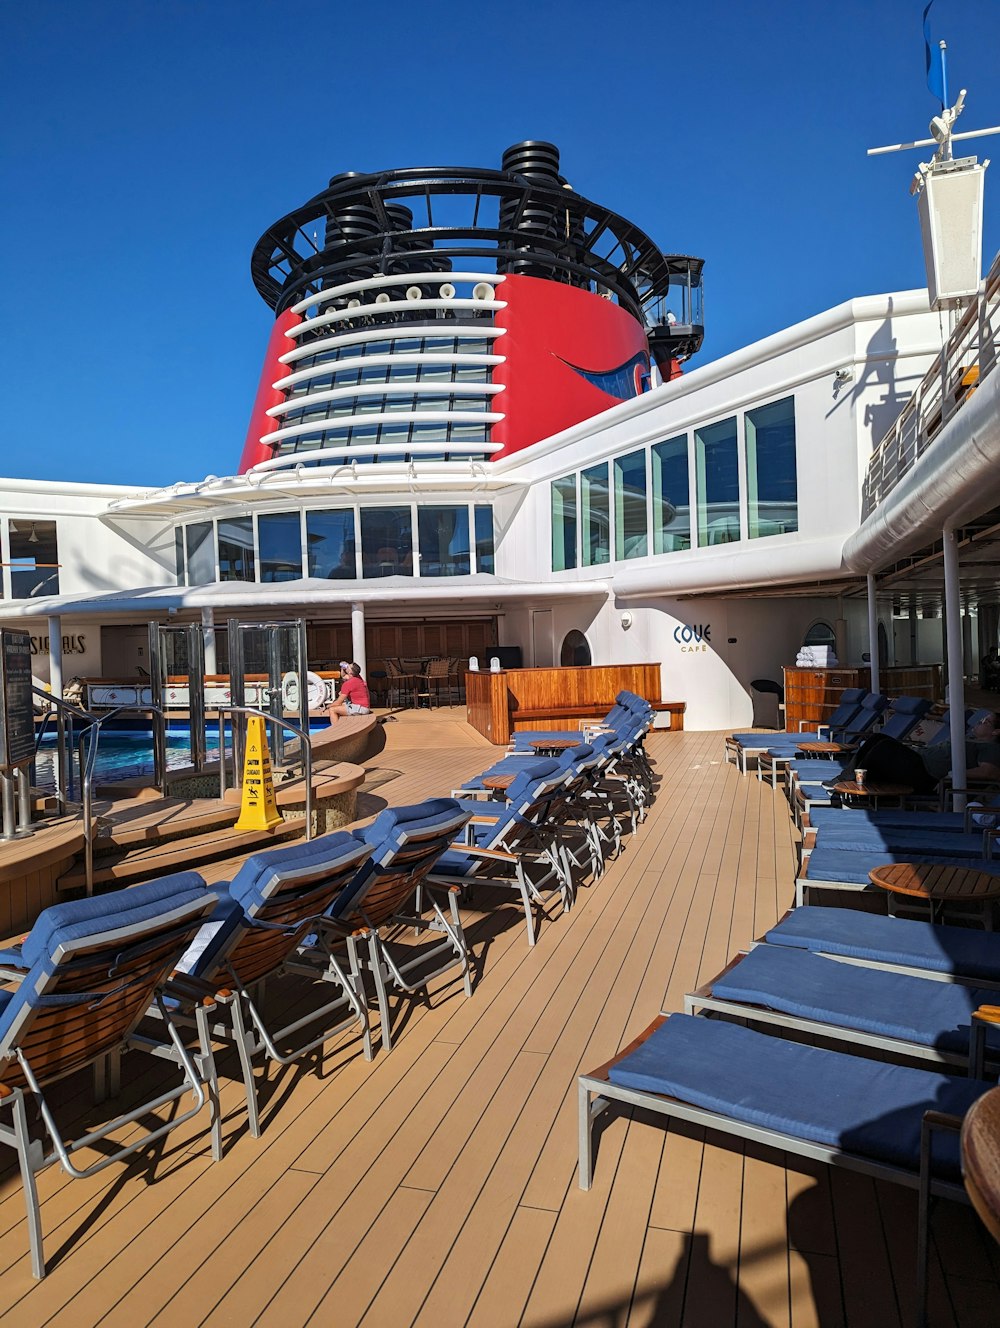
(457, 919)
(586, 1165)
(245, 1052)
(381, 991)
(522, 885)
(933, 1120)
(206, 1065)
(101, 1079)
(115, 1072)
(24, 1151)
(357, 981)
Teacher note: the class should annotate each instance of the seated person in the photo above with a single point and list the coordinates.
(353, 698)
(887, 760)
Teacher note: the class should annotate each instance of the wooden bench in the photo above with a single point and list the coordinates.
(569, 717)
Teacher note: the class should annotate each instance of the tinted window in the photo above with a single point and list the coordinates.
(671, 499)
(630, 506)
(330, 544)
(444, 541)
(772, 495)
(564, 523)
(596, 513)
(279, 544)
(717, 469)
(386, 542)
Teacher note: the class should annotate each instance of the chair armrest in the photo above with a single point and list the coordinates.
(942, 1120)
(487, 854)
(184, 987)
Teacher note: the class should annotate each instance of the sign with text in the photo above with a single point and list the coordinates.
(258, 806)
(17, 717)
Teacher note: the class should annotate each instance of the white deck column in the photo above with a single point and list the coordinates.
(358, 637)
(208, 633)
(55, 656)
(956, 679)
(873, 632)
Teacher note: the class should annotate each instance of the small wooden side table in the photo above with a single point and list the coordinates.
(553, 746)
(870, 793)
(939, 885)
(981, 1159)
(824, 748)
(498, 783)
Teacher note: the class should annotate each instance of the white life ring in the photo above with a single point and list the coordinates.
(315, 691)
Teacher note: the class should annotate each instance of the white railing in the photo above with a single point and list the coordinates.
(968, 357)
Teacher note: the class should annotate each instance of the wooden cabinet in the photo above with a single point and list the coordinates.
(329, 644)
(812, 695)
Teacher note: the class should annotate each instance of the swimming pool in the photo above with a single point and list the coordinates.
(128, 754)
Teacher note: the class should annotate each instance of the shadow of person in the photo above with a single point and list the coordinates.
(702, 1294)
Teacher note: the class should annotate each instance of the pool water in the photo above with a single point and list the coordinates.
(122, 756)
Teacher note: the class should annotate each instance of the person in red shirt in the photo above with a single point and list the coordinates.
(353, 698)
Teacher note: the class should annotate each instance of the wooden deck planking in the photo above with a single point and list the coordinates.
(436, 1185)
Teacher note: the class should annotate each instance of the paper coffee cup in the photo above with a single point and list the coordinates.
(859, 778)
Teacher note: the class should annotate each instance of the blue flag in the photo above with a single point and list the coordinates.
(934, 60)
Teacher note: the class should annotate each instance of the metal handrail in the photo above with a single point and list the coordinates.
(61, 708)
(968, 357)
(302, 734)
(93, 734)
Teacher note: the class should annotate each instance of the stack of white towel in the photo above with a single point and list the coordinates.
(816, 657)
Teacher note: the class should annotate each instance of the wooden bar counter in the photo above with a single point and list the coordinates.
(557, 698)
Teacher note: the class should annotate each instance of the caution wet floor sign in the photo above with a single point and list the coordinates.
(258, 808)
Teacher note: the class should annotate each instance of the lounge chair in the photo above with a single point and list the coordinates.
(584, 815)
(260, 920)
(948, 954)
(740, 746)
(844, 1110)
(77, 987)
(902, 717)
(900, 818)
(872, 1007)
(806, 792)
(854, 834)
(404, 844)
(848, 869)
(511, 845)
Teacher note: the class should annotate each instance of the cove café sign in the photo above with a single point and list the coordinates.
(693, 637)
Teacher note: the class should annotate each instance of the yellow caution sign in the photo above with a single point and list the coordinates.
(258, 809)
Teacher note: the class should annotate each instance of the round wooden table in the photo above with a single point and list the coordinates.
(498, 783)
(824, 748)
(981, 1159)
(848, 788)
(938, 884)
(553, 746)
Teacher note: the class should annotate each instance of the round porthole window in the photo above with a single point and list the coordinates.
(820, 634)
(575, 651)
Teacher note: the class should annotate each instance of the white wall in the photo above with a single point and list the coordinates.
(94, 555)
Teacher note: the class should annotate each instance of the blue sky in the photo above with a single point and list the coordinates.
(148, 144)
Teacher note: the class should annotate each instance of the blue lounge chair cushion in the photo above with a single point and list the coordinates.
(434, 822)
(853, 866)
(252, 884)
(79, 919)
(119, 908)
(852, 834)
(391, 826)
(871, 1000)
(814, 772)
(859, 1106)
(959, 951)
(891, 816)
